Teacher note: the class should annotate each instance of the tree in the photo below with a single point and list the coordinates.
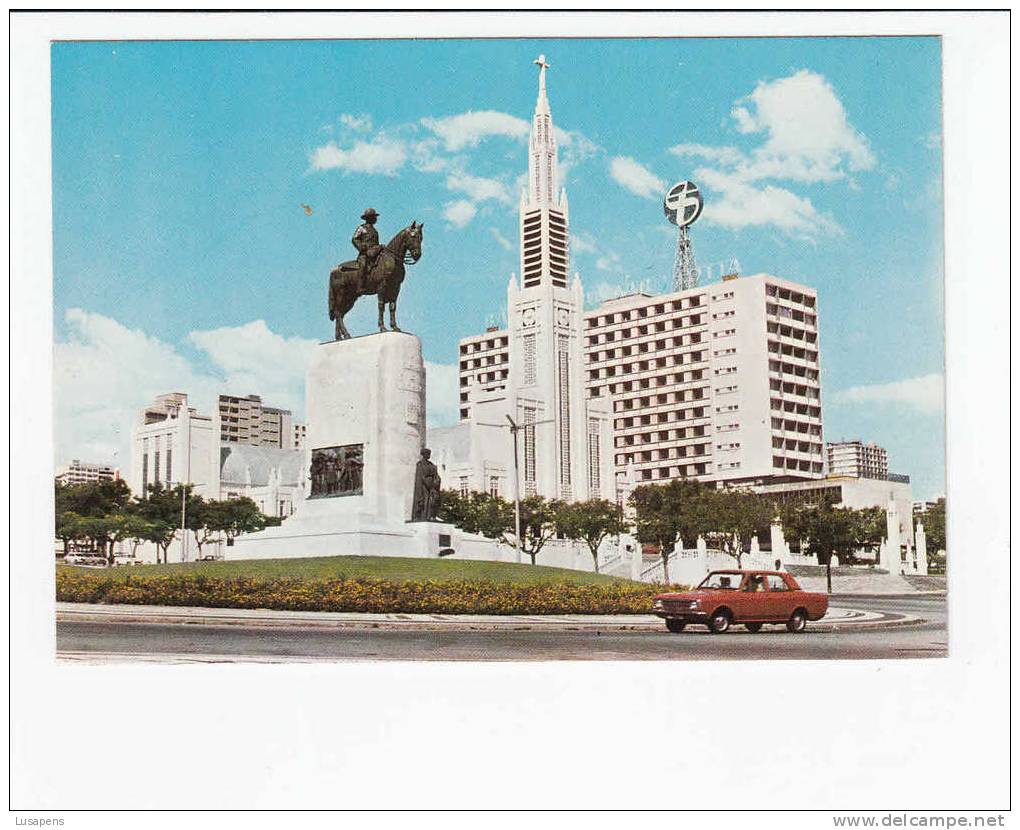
(162, 509)
(591, 522)
(828, 531)
(934, 521)
(240, 515)
(76, 504)
(538, 523)
(736, 516)
(664, 513)
(494, 518)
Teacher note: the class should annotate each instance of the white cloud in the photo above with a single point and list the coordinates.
(254, 359)
(104, 373)
(478, 188)
(721, 155)
(361, 123)
(582, 243)
(637, 178)
(504, 243)
(808, 135)
(469, 128)
(737, 203)
(609, 261)
(384, 155)
(459, 213)
(925, 394)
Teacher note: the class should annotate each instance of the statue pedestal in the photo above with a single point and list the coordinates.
(365, 399)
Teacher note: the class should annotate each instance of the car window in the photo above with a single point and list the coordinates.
(755, 584)
(777, 583)
(721, 581)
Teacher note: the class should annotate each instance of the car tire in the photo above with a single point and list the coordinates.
(719, 622)
(797, 622)
(754, 628)
(675, 626)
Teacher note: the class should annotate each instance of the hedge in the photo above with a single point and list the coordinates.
(360, 594)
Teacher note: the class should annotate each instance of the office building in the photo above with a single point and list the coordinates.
(856, 459)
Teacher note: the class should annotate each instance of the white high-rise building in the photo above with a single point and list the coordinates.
(84, 472)
(533, 370)
(857, 459)
(718, 382)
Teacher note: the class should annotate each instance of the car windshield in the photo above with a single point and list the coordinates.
(722, 581)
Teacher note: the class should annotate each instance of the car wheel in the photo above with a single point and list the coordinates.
(676, 626)
(754, 628)
(720, 622)
(797, 622)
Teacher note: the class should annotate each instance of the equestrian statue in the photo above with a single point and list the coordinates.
(379, 270)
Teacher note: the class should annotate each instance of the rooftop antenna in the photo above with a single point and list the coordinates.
(683, 205)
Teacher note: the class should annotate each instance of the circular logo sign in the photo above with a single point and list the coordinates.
(683, 203)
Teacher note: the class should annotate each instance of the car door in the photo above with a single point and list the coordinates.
(781, 600)
(753, 598)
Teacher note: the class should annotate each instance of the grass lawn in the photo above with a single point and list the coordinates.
(391, 568)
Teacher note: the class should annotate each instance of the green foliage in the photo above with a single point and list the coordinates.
(591, 522)
(736, 516)
(388, 568)
(489, 516)
(934, 521)
(828, 530)
(494, 518)
(663, 513)
(361, 594)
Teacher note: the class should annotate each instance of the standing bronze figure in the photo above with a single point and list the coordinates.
(377, 270)
(426, 489)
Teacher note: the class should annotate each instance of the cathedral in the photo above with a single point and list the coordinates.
(530, 375)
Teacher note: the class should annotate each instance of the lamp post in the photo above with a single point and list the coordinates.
(515, 428)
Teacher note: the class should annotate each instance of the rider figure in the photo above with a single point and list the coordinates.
(366, 240)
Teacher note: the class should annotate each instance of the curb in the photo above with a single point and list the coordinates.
(423, 623)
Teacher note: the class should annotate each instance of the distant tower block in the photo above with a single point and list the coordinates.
(682, 206)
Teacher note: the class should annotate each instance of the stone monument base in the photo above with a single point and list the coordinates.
(365, 397)
(306, 535)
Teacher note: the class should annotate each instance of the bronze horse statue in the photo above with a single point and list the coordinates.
(383, 279)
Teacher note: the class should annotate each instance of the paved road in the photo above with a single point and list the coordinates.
(90, 640)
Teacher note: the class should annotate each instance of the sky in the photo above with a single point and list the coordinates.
(185, 259)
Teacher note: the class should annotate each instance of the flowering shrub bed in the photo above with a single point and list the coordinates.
(358, 594)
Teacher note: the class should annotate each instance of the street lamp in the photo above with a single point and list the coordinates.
(514, 429)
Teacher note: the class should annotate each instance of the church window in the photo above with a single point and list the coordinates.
(529, 359)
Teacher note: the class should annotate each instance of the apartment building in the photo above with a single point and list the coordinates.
(856, 459)
(246, 420)
(718, 382)
(82, 472)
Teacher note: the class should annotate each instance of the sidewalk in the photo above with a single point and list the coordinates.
(837, 619)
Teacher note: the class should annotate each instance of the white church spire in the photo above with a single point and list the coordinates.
(544, 220)
(542, 157)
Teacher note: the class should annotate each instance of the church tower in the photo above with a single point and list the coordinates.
(544, 315)
(533, 371)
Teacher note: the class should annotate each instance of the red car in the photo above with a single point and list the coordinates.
(751, 598)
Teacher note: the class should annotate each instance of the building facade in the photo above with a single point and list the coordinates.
(533, 370)
(172, 443)
(856, 459)
(246, 420)
(82, 472)
(719, 382)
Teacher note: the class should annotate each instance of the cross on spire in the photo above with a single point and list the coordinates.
(542, 66)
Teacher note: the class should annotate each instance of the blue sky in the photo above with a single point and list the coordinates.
(183, 258)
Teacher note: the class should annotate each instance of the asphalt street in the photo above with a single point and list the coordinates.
(101, 640)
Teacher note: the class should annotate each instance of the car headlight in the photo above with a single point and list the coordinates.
(695, 603)
(657, 604)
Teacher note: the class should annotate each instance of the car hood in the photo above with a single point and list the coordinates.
(691, 594)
